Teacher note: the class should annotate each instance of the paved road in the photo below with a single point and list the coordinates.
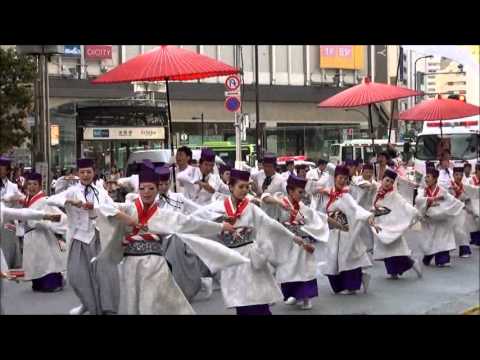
(440, 291)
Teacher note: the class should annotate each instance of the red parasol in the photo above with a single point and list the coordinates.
(167, 63)
(439, 109)
(367, 93)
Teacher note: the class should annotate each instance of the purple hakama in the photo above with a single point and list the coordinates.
(464, 250)
(48, 283)
(347, 280)
(300, 289)
(475, 238)
(397, 265)
(441, 258)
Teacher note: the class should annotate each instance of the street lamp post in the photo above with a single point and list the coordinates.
(415, 72)
(200, 118)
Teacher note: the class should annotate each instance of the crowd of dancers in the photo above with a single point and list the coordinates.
(258, 235)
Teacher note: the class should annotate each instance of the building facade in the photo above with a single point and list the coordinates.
(293, 79)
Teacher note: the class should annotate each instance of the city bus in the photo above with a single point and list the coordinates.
(460, 136)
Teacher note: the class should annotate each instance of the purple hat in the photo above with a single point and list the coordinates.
(34, 177)
(85, 163)
(207, 155)
(239, 175)
(147, 175)
(458, 169)
(432, 171)
(5, 161)
(350, 162)
(429, 164)
(390, 173)
(342, 170)
(367, 166)
(295, 181)
(270, 159)
(223, 168)
(163, 173)
(148, 163)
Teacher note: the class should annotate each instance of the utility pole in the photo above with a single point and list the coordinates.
(258, 148)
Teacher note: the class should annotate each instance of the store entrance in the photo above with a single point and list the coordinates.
(115, 152)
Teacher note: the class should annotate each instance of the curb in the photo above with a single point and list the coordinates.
(472, 311)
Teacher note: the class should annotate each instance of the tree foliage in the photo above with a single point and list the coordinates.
(17, 76)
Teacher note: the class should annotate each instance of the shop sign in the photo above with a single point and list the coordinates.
(124, 133)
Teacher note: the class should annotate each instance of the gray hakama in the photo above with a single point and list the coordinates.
(95, 284)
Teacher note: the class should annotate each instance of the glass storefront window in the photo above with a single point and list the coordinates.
(314, 141)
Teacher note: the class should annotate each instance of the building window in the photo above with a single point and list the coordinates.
(431, 76)
(431, 83)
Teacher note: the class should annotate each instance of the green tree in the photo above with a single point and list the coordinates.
(17, 75)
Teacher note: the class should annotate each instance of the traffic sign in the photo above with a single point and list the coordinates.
(232, 82)
(232, 93)
(232, 104)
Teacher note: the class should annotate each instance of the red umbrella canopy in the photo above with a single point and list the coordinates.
(166, 63)
(440, 109)
(367, 93)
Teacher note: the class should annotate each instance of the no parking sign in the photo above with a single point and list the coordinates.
(232, 103)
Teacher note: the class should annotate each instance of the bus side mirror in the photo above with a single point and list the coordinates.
(406, 147)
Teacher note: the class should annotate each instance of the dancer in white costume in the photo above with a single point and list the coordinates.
(394, 215)
(250, 288)
(44, 254)
(347, 252)
(148, 286)
(95, 283)
(298, 275)
(438, 210)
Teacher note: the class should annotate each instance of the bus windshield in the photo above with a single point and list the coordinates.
(462, 146)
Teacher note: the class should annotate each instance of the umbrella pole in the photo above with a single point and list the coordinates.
(370, 125)
(170, 137)
(441, 131)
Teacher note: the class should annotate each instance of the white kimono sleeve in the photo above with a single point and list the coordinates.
(316, 224)
(193, 232)
(403, 215)
(130, 182)
(59, 199)
(7, 214)
(444, 211)
(188, 205)
(168, 222)
(272, 238)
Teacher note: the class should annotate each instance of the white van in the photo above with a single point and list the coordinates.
(460, 136)
(161, 156)
(359, 148)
